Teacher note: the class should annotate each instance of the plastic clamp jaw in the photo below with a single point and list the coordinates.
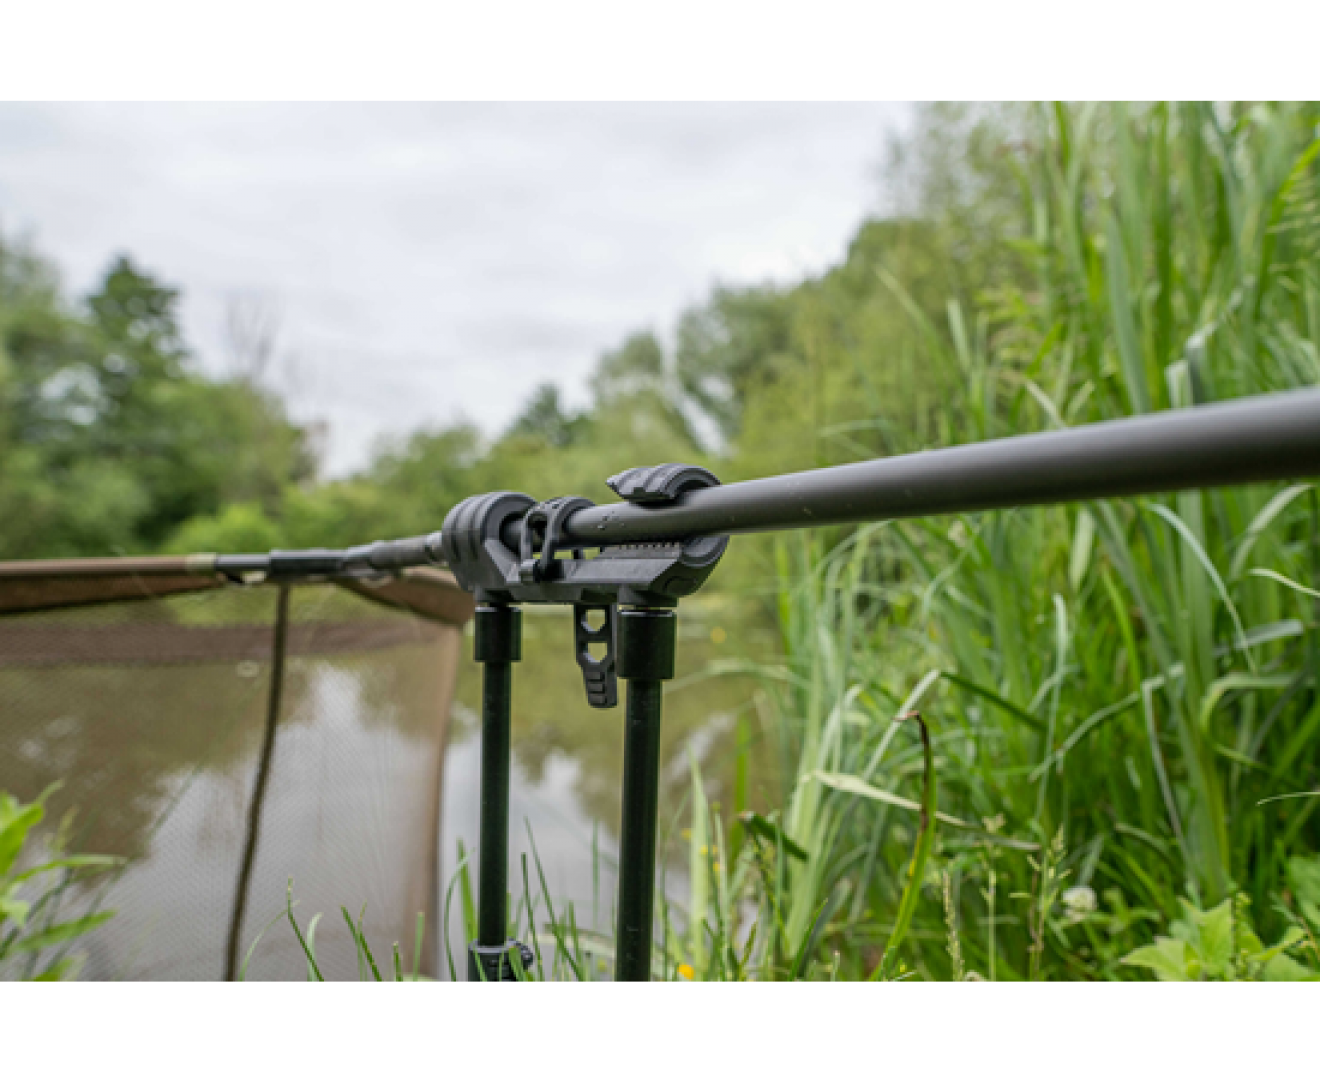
(659, 484)
(494, 963)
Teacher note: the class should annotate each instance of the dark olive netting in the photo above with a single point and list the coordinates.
(152, 715)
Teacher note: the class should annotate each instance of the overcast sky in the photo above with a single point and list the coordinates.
(431, 262)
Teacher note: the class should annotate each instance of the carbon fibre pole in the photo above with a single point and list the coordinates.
(1269, 437)
(1249, 440)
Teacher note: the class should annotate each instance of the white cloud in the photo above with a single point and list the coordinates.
(437, 260)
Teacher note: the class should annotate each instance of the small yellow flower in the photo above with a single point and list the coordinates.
(717, 635)
(685, 972)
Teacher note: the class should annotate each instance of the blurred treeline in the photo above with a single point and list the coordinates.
(115, 441)
(110, 439)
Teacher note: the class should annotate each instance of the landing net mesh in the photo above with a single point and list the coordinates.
(151, 713)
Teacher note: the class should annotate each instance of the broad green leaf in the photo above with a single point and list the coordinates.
(1304, 880)
(19, 821)
(1292, 937)
(1284, 968)
(1167, 958)
(1214, 946)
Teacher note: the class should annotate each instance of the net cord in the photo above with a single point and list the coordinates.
(259, 787)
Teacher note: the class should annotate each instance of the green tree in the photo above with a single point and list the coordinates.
(111, 437)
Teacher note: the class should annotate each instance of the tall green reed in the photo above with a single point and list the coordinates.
(1113, 688)
(1130, 679)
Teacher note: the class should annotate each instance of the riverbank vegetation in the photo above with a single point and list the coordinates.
(1115, 759)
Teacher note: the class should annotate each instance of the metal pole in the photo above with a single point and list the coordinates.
(498, 647)
(646, 658)
(1270, 437)
(264, 760)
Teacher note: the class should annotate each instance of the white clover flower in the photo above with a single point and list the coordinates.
(1079, 900)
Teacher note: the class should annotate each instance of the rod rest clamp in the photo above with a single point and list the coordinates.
(647, 575)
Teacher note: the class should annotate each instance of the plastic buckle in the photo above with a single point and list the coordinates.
(545, 521)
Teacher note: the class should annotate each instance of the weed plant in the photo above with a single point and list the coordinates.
(37, 939)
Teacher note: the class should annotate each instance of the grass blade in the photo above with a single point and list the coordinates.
(562, 947)
(449, 896)
(314, 972)
(418, 933)
(925, 843)
(242, 971)
(311, 941)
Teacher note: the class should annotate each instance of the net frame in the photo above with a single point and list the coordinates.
(43, 586)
